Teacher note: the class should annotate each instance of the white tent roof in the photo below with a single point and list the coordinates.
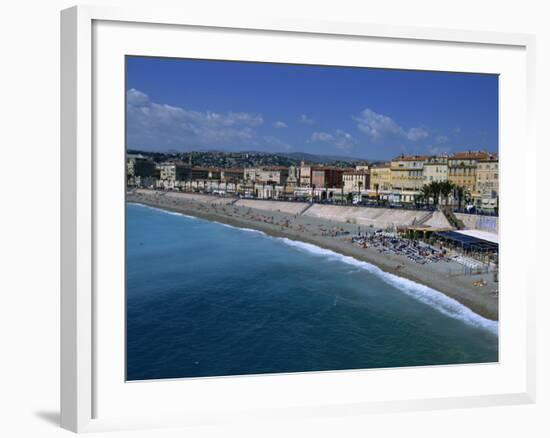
(485, 235)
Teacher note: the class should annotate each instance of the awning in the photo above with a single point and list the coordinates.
(483, 235)
(468, 242)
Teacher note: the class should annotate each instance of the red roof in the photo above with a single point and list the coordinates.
(472, 155)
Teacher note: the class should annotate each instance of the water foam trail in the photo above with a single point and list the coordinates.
(162, 210)
(250, 230)
(176, 213)
(435, 299)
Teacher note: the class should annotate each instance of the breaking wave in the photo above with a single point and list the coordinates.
(438, 300)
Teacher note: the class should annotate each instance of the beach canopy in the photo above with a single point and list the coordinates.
(468, 242)
(483, 235)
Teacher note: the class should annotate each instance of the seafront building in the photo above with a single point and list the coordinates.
(435, 169)
(462, 169)
(141, 171)
(380, 181)
(407, 177)
(305, 175)
(356, 181)
(268, 175)
(486, 191)
(232, 175)
(399, 181)
(171, 173)
(327, 177)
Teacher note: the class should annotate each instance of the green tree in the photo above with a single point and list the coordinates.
(446, 187)
(426, 192)
(459, 193)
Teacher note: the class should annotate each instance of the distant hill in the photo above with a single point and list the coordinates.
(321, 159)
(249, 158)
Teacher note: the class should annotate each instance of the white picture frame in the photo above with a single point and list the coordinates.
(83, 369)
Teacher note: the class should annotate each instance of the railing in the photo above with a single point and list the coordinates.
(453, 220)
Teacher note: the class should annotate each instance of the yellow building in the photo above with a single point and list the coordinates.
(380, 181)
(407, 178)
(462, 169)
(486, 190)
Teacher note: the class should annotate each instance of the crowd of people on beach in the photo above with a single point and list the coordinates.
(389, 242)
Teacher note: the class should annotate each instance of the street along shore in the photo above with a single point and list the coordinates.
(287, 220)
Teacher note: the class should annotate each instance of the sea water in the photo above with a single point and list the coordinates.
(207, 299)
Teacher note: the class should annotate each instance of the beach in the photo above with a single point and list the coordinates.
(291, 221)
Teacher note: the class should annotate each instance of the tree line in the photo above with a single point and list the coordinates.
(441, 189)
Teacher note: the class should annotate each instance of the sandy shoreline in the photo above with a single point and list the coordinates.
(439, 276)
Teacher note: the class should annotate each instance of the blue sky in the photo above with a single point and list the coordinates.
(183, 105)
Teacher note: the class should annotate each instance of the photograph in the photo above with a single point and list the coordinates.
(292, 218)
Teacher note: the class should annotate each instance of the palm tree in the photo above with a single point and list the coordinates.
(459, 192)
(436, 191)
(427, 192)
(446, 187)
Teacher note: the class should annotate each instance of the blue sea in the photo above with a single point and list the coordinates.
(208, 299)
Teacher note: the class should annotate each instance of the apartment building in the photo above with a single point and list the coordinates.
(355, 181)
(407, 177)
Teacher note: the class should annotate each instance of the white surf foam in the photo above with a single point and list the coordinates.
(441, 302)
(175, 213)
(162, 210)
(249, 230)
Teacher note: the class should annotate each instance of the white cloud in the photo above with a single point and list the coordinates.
(136, 97)
(440, 139)
(377, 126)
(306, 120)
(438, 150)
(278, 124)
(321, 136)
(415, 134)
(340, 139)
(160, 126)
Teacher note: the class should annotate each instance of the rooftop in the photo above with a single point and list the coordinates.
(472, 155)
(411, 158)
(356, 172)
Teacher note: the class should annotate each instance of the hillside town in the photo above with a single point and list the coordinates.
(464, 181)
